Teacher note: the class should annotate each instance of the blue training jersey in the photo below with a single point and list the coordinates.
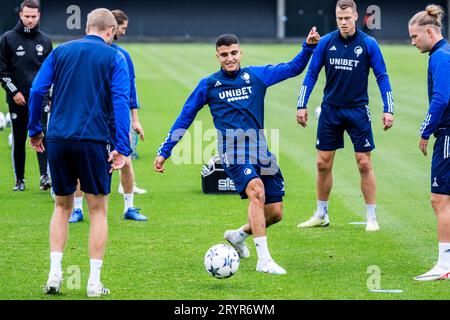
(438, 116)
(88, 90)
(236, 100)
(347, 64)
(133, 90)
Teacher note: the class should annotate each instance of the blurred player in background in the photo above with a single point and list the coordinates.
(127, 185)
(347, 54)
(426, 35)
(235, 96)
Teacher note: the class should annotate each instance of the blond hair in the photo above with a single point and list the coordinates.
(344, 4)
(431, 16)
(100, 20)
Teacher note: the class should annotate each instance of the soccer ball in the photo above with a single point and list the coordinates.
(317, 112)
(221, 261)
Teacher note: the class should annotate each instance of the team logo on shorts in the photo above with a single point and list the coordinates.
(13, 116)
(358, 51)
(248, 171)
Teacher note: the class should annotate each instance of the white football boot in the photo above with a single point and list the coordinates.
(372, 225)
(96, 290)
(241, 247)
(269, 266)
(53, 285)
(436, 273)
(136, 189)
(316, 221)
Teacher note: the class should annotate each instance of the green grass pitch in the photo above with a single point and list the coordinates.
(163, 257)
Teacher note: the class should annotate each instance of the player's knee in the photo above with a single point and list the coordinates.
(437, 203)
(323, 165)
(277, 215)
(364, 165)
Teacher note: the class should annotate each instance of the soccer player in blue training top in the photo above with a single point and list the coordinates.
(425, 32)
(91, 86)
(127, 185)
(347, 54)
(235, 96)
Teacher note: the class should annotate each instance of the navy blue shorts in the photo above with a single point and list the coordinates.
(87, 161)
(242, 174)
(333, 121)
(440, 165)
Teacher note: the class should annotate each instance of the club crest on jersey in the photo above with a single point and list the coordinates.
(248, 171)
(246, 77)
(40, 50)
(358, 51)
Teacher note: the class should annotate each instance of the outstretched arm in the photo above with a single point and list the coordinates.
(273, 74)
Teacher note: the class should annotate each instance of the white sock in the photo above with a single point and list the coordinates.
(261, 248)
(128, 200)
(96, 268)
(78, 203)
(444, 255)
(55, 264)
(241, 235)
(322, 209)
(371, 211)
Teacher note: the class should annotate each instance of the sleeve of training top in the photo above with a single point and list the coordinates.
(40, 87)
(193, 105)
(379, 69)
(440, 69)
(272, 74)
(133, 91)
(120, 93)
(317, 62)
(5, 72)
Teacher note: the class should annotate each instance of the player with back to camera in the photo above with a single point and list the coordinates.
(80, 145)
(347, 55)
(235, 96)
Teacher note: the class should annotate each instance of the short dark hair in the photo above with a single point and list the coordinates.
(30, 4)
(120, 16)
(226, 40)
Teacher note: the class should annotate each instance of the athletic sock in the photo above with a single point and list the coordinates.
(322, 209)
(371, 211)
(96, 268)
(128, 200)
(444, 256)
(78, 203)
(55, 264)
(261, 249)
(241, 235)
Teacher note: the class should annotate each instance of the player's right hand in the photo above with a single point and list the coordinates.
(117, 160)
(302, 117)
(158, 165)
(313, 36)
(19, 99)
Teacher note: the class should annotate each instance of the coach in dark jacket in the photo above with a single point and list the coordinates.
(22, 52)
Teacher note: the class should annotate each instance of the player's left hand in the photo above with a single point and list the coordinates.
(313, 36)
(117, 160)
(423, 146)
(388, 121)
(37, 144)
(136, 125)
